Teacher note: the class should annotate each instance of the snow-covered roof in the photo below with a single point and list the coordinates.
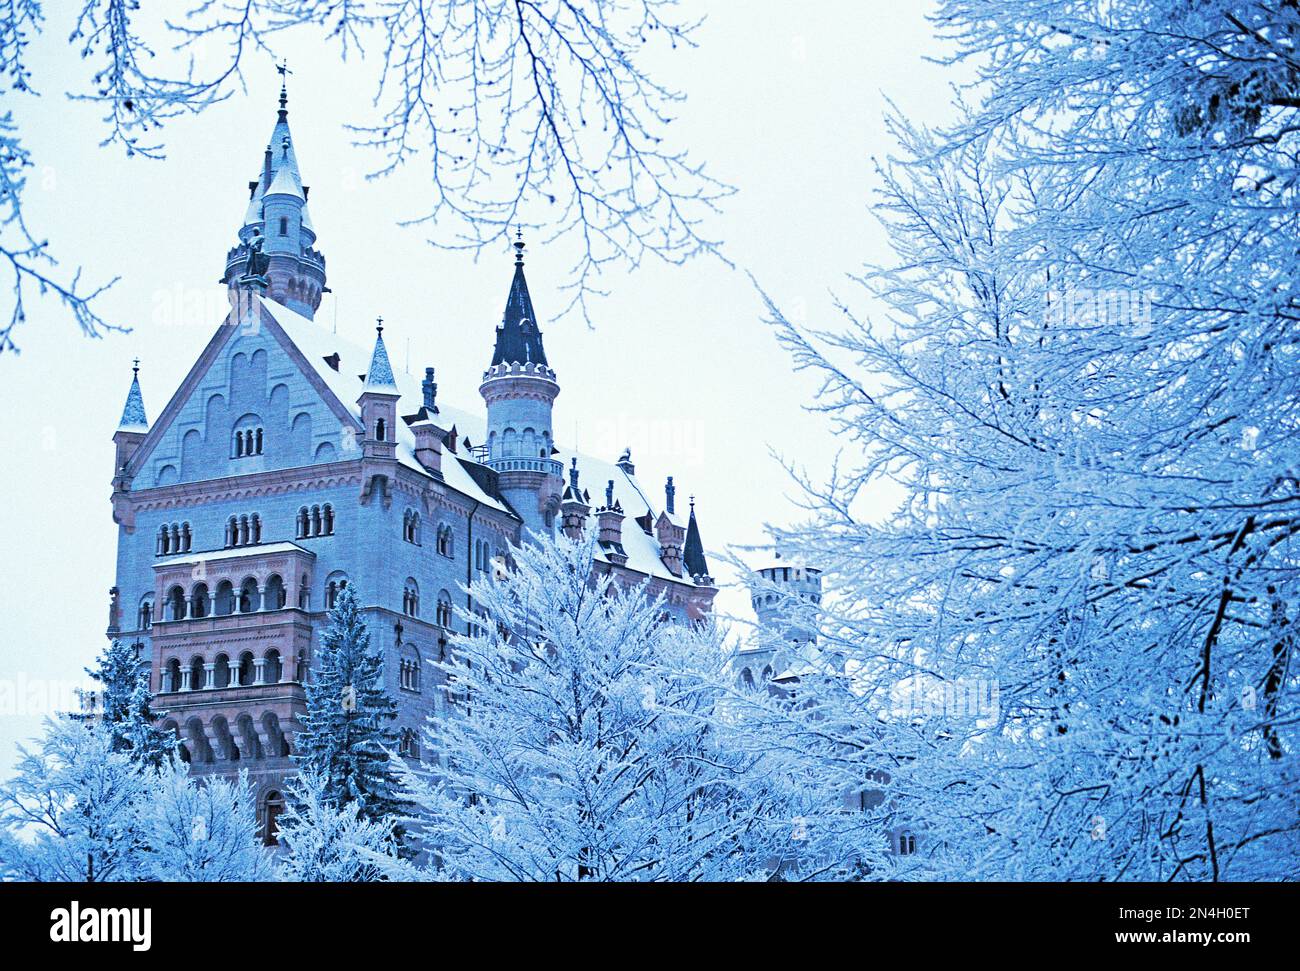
(133, 416)
(231, 554)
(316, 344)
(379, 376)
(286, 183)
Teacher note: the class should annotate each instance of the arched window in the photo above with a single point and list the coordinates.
(185, 537)
(222, 673)
(274, 597)
(411, 526)
(249, 600)
(274, 803)
(408, 744)
(304, 594)
(411, 598)
(315, 520)
(445, 538)
(304, 523)
(410, 673)
(335, 583)
(443, 618)
(380, 429)
(247, 437)
(284, 231)
(906, 843)
(146, 612)
(199, 600)
(246, 667)
(176, 603)
(327, 520)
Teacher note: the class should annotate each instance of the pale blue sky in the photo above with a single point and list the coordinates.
(786, 106)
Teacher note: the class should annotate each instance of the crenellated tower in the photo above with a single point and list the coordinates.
(520, 389)
(276, 250)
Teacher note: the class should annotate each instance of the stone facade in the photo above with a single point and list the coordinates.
(290, 463)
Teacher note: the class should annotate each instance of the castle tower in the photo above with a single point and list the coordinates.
(519, 389)
(786, 597)
(277, 232)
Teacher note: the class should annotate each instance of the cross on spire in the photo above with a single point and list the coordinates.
(135, 366)
(283, 68)
(379, 325)
(519, 247)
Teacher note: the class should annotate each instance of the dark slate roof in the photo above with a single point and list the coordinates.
(518, 339)
(693, 552)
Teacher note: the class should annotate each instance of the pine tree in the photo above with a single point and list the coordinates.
(123, 704)
(347, 729)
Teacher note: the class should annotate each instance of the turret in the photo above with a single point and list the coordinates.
(378, 403)
(520, 389)
(276, 239)
(131, 430)
(693, 553)
(786, 597)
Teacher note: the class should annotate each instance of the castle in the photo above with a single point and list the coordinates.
(290, 464)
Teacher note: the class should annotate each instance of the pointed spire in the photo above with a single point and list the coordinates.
(693, 551)
(133, 416)
(380, 375)
(518, 339)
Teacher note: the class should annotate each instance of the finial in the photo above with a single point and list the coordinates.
(379, 325)
(519, 247)
(692, 505)
(135, 367)
(283, 68)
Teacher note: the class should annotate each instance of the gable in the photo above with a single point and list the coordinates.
(247, 406)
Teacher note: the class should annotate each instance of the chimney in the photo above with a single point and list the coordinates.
(625, 462)
(609, 526)
(430, 388)
(428, 445)
(574, 506)
(670, 494)
(670, 539)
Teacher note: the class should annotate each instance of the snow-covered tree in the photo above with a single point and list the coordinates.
(78, 800)
(580, 739)
(123, 704)
(1081, 376)
(526, 114)
(329, 843)
(347, 731)
(201, 831)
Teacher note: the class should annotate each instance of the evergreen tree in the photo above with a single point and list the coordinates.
(347, 729)
(123, 704)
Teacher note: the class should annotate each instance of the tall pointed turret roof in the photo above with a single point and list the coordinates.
(380, 375)
(519, 341)
(693, 551)
(133, 416)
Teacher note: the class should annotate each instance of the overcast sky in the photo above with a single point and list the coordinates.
(678, 365)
